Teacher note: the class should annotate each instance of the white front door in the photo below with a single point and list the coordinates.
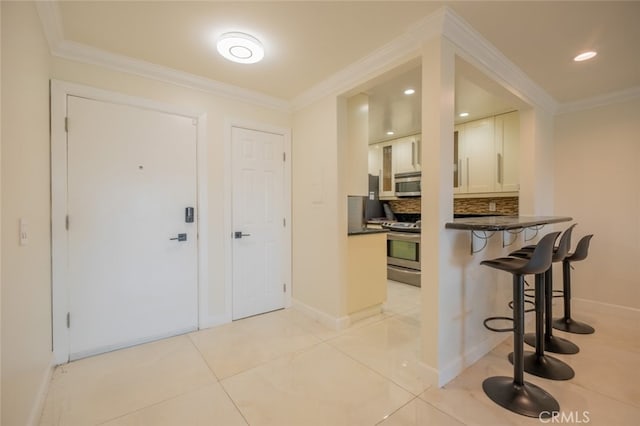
(131, 175)
(258, 215)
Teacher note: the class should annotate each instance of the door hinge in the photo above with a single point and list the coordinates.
(284, 156)
(68, 320)
(66, 222)
(284, 287)
(66, 124)
(284, 221)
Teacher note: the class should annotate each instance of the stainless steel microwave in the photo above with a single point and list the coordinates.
(408, 184)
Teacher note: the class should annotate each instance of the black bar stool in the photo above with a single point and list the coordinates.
(513, 393)
(567, 323)
(552, 343)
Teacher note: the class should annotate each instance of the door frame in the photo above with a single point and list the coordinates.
(59, 91)
(230, 123)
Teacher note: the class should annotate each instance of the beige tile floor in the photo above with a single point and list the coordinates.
(283, 368)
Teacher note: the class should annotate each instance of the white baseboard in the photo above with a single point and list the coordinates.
(601, 308)
(365, 313)
(323, 318)
(460, 363)
(41, 396)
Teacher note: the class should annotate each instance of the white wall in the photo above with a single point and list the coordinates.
(597, 178)
(26, 299)
(357, 169)
(26, 315)
(319, 212)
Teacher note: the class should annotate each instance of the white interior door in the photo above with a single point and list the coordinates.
(258, 215)
(131, 174)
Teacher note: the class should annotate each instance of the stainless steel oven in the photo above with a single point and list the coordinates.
(403, 257)
(408, 184)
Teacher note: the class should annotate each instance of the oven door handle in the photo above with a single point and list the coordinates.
(412, 237)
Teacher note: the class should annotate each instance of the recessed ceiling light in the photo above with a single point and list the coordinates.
(409, 91)
(390, 133)
(585, 56)
(464, 114)
(241, 48)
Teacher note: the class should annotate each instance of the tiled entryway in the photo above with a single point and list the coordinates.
(283, 368)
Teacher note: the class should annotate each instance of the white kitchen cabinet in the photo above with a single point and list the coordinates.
(387, 170)
(507, 128)
(397, 156)
(486, 155)
(407, 154)
(476, 160)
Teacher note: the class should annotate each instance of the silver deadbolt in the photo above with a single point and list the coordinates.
(180, 237)
(239, 234)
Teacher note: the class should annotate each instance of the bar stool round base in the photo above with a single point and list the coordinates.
(572, 326)
(527, 399)
(554, 344)
(545, 366)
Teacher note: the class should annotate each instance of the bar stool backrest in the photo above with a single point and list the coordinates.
(564, 245)
(582, 249)
(540, 259)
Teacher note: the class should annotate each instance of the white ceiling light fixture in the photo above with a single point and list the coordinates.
(464, 114)
(390, 133)
(585, 56)
(240, 47)
(409, 91)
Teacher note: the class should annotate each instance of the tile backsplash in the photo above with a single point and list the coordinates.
(504, 205)
(405, 205)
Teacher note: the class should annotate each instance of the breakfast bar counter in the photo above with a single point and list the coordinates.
(503, 223)
(485, 227)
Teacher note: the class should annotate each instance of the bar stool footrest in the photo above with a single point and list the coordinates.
(497, 330)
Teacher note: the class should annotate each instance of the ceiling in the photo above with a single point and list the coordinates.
(307, 42)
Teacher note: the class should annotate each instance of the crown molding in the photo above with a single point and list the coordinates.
(599, 101)
(473, 47)
(59, 47)
(404, 47)
(469, 44)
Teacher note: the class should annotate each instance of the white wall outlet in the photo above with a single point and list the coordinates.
(24, 232)
(492, 206)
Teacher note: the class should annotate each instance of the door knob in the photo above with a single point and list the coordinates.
(239, 234)
(180, 237)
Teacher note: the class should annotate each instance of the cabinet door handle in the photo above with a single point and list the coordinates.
(413, 154)
(459, 173)
(499, 168)
(468, 172)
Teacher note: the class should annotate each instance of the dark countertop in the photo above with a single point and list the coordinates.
(503, 223)
(366, 231)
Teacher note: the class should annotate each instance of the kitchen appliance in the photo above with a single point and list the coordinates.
(403, 252)
(373, 208)
(356, 206)
(408, 184)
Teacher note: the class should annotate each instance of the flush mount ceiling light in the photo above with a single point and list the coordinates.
(585, 56)
(241, 48)
(390, 133)
(464, 114)
(409, 91)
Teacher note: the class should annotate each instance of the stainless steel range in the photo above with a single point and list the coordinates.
(403, 252)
